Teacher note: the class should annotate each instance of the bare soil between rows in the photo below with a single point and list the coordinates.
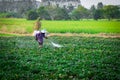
(104, 35)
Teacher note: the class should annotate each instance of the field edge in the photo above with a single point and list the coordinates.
(104, 35)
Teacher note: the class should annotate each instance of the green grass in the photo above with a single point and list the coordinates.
(7, 35)
(82, 58)
(86, 26)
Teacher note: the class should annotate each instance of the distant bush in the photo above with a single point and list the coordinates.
(9, 15)
(31, 15)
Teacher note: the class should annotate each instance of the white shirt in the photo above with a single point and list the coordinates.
(35, 32)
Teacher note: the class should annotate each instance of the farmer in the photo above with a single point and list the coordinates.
(37, 25)
(39, 36)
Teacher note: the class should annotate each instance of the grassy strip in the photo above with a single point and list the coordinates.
(6, 35)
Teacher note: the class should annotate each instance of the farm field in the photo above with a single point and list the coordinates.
(24, 26)
(91, 50)
(81, 58)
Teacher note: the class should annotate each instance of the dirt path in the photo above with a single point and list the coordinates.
(87, 35)
(104, 35)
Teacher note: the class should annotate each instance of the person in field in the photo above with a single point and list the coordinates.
(39, 36)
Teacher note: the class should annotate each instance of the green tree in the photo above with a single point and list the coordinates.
(31, 15)
(100, 5)
(79, 13)
(111, 12)
(98, 13)
(75, 15)
(51, 11)
(43, 13)
(92, 11)
(70, 8)
(57, 13)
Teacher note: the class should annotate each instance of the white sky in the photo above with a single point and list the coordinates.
(88, 3)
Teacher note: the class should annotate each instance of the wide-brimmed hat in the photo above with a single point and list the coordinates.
(43, 31)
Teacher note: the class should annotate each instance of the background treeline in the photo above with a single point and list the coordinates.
(56, 13)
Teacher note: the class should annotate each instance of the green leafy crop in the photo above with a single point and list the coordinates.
(81, 58)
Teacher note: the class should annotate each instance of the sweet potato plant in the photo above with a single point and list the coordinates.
(81, 58)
